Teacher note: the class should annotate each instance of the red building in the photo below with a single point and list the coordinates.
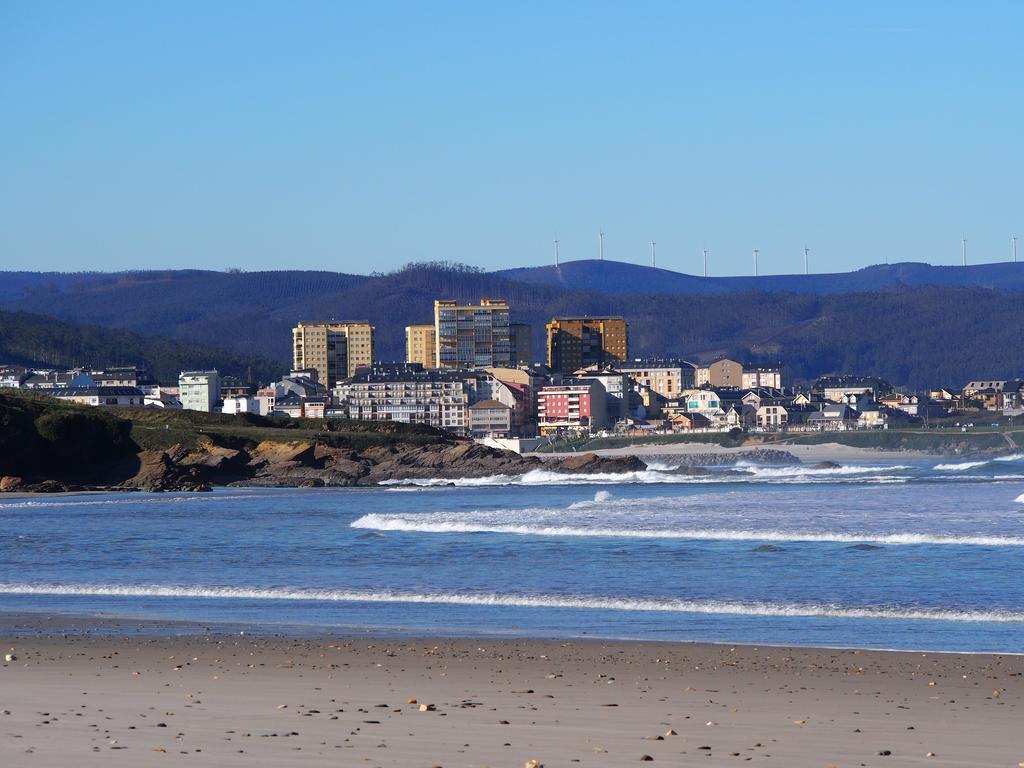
(570, 408)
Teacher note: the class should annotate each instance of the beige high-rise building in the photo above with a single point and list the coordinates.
(579, 342)
(333, 350)
(420, 345)
(472, 335)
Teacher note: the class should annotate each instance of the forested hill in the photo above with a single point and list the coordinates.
(35, 340)
(914, 336)
(619, 277)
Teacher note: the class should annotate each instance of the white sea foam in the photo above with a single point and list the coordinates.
(962, 466)
(132, 498)
(786, 475)
(661, 466)
(754, 608)
(804, 471)
(1020, 499)
(445, 524)
(602, 496)
(768, 609)
(1011, 457)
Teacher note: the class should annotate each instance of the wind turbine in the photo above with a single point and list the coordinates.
(805, 260)
(556, 252)
(600, 245)
(963, 250)
(1013, 240)
(755, 262)
(705, 262)
(654, 260)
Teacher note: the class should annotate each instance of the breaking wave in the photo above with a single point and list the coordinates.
(1011, 457)
(425, 524)
(804, 471)
(962, 466)
(133, 498)
(764, 609)
(746, 474)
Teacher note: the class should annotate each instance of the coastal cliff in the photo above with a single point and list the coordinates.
(308, 465)
(47, 446)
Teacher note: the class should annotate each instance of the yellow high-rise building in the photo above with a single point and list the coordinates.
(420, 345)
(334, 350)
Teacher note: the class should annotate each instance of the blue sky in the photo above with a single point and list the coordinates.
(354, 137)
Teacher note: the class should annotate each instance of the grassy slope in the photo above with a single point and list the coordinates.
(29, 441)
(158, 428)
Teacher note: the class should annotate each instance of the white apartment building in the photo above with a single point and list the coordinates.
(199, 390)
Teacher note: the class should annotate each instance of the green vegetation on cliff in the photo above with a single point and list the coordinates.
(44, 438)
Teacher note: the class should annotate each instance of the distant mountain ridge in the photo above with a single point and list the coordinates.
(911, 334)
(621, 277)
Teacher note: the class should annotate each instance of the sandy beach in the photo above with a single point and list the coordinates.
(235, 700)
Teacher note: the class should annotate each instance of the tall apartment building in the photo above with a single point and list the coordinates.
(421, 345)
(522, 343)
(579, 342)
(472, 336)
(199, 390)
(333, 350)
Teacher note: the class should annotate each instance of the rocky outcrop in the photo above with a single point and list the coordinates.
(166, 471)
(10, 483)
(592, 464)
(300, 464)
(443, 461)
(726, 459)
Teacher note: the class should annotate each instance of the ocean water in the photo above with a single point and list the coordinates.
(912, 555)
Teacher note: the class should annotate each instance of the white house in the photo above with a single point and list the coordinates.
(237, 404)
(707, 403)
(130, 396)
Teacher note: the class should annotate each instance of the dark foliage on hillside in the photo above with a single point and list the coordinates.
(38, 433)
(912, 335)
(35, 340)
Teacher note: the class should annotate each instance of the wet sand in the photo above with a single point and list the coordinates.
(233, 700)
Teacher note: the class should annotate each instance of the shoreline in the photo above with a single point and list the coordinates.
(54, 625)
(427, 701)
(801, 452)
